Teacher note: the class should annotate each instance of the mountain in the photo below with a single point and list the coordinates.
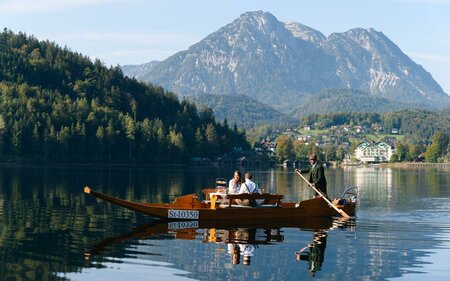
(283, 64)
(367, 60)
(137, 70)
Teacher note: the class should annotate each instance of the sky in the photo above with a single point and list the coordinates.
(121, 32)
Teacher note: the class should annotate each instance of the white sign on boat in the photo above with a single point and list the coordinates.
(183, 214)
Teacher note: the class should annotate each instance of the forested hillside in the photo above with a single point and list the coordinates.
(346, 100)
(58, 105)
(242, 110)
(418, 126)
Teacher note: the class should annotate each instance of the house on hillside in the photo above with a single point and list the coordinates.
(304, 138)
(360, 129)
(370, 152)
(266, 147)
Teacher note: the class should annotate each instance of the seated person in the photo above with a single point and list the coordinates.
(248, 187)
(235, 183)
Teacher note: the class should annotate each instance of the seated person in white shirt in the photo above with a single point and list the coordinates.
(248, 187)
(235, 183)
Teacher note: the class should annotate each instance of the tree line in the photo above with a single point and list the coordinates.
(436, 152)
(299, 150)
(417, 126)
(58, 105)
(425, 135)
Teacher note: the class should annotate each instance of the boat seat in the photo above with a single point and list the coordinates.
(242, 206)
(235, 206)
(269, 199)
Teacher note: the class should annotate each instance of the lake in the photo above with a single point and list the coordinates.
(50, 230)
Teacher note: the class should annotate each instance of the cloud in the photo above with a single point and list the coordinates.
(138, 38)
(39, 6)
(136, 48)
(125, 47)
(124, 57)
(430, 57)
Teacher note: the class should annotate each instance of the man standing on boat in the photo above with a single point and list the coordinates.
(316, 175)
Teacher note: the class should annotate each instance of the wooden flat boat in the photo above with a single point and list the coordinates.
(190, 207)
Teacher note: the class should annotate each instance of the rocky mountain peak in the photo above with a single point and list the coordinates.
(305, 33)
(259, 19)
(279, 64)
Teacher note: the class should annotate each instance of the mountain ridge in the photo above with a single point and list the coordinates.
(282, 64)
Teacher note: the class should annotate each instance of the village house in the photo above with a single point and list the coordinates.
(369, 152)
(303, 138)
(266, 147)
(360, 129)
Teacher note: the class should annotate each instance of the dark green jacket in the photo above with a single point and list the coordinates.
(317, 176)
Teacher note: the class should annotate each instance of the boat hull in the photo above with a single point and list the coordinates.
(188, 207)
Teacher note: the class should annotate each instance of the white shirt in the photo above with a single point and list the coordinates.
(233, 187)
(248, 187)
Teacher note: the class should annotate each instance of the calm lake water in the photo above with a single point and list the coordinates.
(50, 230)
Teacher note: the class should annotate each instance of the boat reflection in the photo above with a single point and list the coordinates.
(314, 252)
(240, 239)
(243, 241)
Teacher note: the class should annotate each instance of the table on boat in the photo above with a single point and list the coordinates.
(214, 196)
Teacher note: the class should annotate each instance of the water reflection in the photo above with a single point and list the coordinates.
(314, 252)
(47, 226)
(238, 243)
(242, 242)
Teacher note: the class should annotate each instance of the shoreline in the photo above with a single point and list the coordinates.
(418, 164)
(401, 164)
